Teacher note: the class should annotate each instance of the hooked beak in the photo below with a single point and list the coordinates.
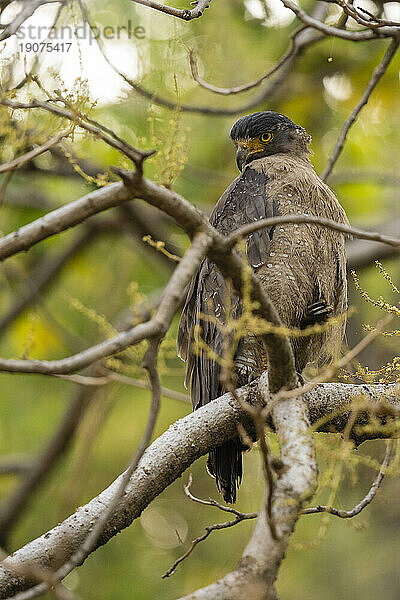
(241, 157)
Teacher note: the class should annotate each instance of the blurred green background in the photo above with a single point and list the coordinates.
(235, 43)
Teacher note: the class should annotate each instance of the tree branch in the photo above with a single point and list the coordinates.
(157, 326)
(63, 218)
(363, 16)
(83, 121)
(43, 274)
(170, 455)
(20, 160)
(184, 13)
(361, 254)
(12, 507)
(240, 88)
(302, 38)
(349, 514)
(354, 36)
(377, 74)
(239, 517)
(27, 11)
(190, 220)
(245, 230)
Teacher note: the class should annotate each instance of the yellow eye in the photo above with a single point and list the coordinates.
(266, 137)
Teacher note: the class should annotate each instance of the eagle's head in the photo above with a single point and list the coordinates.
(264, 133)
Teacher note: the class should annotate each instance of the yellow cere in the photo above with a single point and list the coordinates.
(256, 144)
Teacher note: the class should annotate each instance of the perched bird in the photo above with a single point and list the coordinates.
(302, 268)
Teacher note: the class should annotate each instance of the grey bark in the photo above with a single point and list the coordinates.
(169, 456)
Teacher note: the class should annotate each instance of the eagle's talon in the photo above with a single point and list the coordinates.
(244, 374)
(318, 312)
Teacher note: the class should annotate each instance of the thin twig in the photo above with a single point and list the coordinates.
(99, 131)
(366, 19)
(240, 516)
(245, 230)
(99, 381)
(348, 514)
(240, 88)
(209, 529)
(16, 465)
(20, 160)
(167, 392)
(361, 254)
(215, 503)
(377, 74)
(355, 36)
(185, 14)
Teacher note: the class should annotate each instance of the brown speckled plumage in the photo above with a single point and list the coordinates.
(299, 265)
(306, 263)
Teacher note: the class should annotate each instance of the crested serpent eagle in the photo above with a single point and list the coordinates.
(301, 267)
